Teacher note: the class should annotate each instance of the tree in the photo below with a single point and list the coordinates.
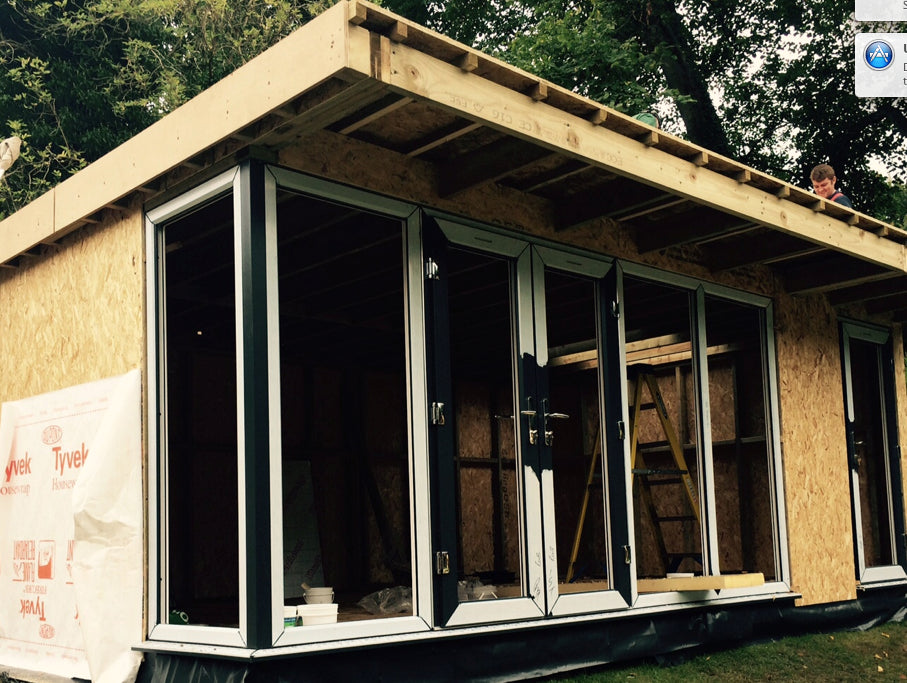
(83, 76)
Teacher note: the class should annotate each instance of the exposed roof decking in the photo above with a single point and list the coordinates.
(376, 78)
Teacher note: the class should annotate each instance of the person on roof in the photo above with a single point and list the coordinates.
(823, 177)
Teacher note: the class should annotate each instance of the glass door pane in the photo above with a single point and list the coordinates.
(482, 367)
(573, 381)
(869, 462)
(345, 437)
(741, 443)
(663, 430)
(201, 426)
(488, 558)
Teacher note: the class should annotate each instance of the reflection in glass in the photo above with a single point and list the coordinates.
(871, 453)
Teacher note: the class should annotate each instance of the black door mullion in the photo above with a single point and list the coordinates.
(256, 435)
(615, 435)
(442, 429)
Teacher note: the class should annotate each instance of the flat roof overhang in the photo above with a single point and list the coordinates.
(367, 75)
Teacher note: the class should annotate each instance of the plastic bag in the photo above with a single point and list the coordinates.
(388, 601)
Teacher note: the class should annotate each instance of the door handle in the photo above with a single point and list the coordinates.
(531, 415)
(549, 432)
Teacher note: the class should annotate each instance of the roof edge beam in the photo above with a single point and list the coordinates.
(536, 122)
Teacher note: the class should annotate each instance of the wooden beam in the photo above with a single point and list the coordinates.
(487, 164)
(659, 203)
(650, 138)
(483, 100)
(592, 204)
(597, 117)
(398, 32)
(766, 247)
(358, 13)
(468, 62)
(893, 302)
(833, 274)
(538, 91)
(442, 137)
(699, 583)
(698, 224)
(373, 112)
(564, 170)
(867, 292)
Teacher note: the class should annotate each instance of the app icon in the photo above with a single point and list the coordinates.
(878, 55)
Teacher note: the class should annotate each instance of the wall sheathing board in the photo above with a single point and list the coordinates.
(75, 312)
(900, 376)
(814, 449)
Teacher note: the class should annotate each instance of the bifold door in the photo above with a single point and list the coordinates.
(519, 457)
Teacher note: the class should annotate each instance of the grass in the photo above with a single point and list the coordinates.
(878, 654)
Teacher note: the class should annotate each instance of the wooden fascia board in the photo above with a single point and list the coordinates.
(262, 85)
(421, 76)
(30, 225)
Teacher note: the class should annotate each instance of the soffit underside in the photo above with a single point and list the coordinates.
(466, 154)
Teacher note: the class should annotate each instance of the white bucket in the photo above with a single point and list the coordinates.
(317, 614)
(319, 596)
(289, 616)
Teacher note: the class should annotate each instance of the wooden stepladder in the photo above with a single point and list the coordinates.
(679, 474)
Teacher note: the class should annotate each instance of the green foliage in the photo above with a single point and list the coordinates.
(86, 75)
(878, 654)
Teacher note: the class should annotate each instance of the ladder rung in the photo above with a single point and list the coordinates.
(647, 472)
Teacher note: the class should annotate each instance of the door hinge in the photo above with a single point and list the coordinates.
(437, 414)
(431, 270)
(615, 307)
(628, 555)
(621, 431)
(442, 563)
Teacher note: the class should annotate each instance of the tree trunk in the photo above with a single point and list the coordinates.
(663, 30)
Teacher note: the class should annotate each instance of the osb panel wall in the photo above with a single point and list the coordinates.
(75, 313)
(901, 392)
(814, 449)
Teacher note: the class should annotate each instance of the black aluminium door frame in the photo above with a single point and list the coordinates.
(531, 409)
(444, 549)
(881, 338)
(616, 444)
(606, 276)
(437, 244)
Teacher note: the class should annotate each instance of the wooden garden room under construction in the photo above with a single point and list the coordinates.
(530, 384)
